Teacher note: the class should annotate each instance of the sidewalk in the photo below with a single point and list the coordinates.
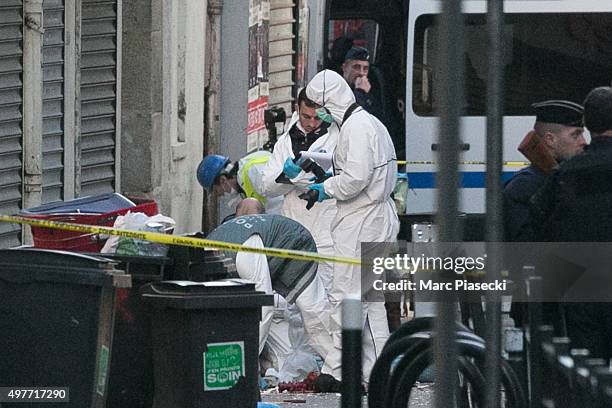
(421, 397)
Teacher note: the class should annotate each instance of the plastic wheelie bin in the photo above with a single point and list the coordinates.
(197, 264)
(131, 380)
(56, 320)
(205, 342)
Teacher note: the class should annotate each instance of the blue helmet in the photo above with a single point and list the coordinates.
(210, 167)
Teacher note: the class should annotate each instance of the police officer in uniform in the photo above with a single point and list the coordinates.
(355, 70)
(575, 204)
(559, 126)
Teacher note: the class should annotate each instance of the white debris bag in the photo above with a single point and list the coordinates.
(139, 222)
(302, 359)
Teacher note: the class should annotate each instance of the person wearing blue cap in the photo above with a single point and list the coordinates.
(355, 70)
(235, 181)
(559, 127)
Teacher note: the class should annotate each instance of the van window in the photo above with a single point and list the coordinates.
(363, 33)
(546, 56)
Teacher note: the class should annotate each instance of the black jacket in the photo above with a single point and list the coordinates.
(370, 101)
(518, 223)
(301, 141)
(575, 203)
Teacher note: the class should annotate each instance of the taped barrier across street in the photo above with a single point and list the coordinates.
(506, 163)
(178, 240)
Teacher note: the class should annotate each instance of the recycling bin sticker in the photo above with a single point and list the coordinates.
(223, 365)
(102, 370)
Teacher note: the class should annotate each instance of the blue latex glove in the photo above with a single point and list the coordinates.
(291, 169)
(328, 174)
(319, 188)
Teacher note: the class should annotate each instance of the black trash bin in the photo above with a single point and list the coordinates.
(205, 342)
(131, 379)
(56, 320)
(197, 264)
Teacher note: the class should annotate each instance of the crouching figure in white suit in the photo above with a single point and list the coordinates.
(296, 280)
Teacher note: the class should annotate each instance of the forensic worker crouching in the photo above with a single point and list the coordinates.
(296, 280)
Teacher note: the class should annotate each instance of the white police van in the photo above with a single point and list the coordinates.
(554, 49)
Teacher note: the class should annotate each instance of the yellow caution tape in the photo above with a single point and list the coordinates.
(178, 240)
(507, 163)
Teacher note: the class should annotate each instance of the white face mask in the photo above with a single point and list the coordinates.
(233, 198)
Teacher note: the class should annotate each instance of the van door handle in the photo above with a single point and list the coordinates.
(462, 146)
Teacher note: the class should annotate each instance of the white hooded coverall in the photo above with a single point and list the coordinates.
(365, 172)
(312, 303)
(319, 218)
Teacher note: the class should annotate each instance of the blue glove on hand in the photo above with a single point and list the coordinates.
(328, 174)
(291, 169)
(319, 189)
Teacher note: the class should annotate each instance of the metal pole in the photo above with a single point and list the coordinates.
(213, 99)
(118, 88)
(449, 96)
(495, 35)
(32, 105)
(351, 352)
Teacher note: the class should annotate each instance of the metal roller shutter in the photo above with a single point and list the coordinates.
(11, 138)
(281, 53)
(53, 100)
(98, 96)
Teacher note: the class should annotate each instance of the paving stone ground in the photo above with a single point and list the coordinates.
(421, 397)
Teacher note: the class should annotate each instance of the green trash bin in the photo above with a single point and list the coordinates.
(205, 339)
(56, 319)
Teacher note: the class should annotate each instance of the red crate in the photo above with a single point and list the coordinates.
(49, 238)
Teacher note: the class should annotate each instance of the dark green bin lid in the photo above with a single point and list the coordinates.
(219, 294)
(28, 265)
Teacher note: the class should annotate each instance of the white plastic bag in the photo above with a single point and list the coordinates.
(139, 222)
(302, 359)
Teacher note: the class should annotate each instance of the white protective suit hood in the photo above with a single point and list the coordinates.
(331, 91)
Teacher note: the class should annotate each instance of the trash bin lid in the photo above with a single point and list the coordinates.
(219, 294)
(190, 288)
(96, 204)
(140, 267)
(26, 265)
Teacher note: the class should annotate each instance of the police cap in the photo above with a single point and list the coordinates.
(561, 112)
(357, 53)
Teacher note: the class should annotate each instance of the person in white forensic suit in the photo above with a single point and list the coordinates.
(296, 280)
(238, 180)
(365, 173)
(306, 132)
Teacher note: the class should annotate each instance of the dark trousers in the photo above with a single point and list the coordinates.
(394, 312)
(589, 325)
